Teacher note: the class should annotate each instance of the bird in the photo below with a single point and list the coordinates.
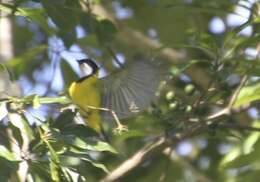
(117, 96)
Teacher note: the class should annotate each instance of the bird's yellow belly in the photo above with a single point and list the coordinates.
(86, 94)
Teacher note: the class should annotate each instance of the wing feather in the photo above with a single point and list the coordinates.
(130, 91)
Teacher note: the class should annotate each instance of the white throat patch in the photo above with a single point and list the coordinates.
(85, 70)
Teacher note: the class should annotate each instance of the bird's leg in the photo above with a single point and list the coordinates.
(120, 127)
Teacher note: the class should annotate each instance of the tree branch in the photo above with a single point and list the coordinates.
(149, 150)
(136, 159)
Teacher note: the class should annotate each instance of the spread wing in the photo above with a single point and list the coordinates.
(130, 90)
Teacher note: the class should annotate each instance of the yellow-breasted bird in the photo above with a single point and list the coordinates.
(124, 93)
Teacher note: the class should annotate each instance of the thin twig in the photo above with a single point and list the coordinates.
(229, 108)
(114, 56)
(237, 91)
(217, 115)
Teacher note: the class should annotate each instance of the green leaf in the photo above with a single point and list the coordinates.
(250, 67)
(248, 41)
(54, 170)
(7, 168)
(232, 42)
(179, 68)
(132, 134)
(5, 153)
(69, 175)
(27, 128)
(27, 56)
(245, 153)
(2, 67)
(53, 154)
(62, 12)
(231, 35)
(237, 44)
(79, 130)
(90, 40)
(21, 63)
(94, 146)
(40, 170)
(71, 159)
(36, 15)
(248, 94)
(16, 134)
(97, 165)
(102, 146)
(21, 122)
(88, 22)
(64, 119)
(105, 31)
(239, 158)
